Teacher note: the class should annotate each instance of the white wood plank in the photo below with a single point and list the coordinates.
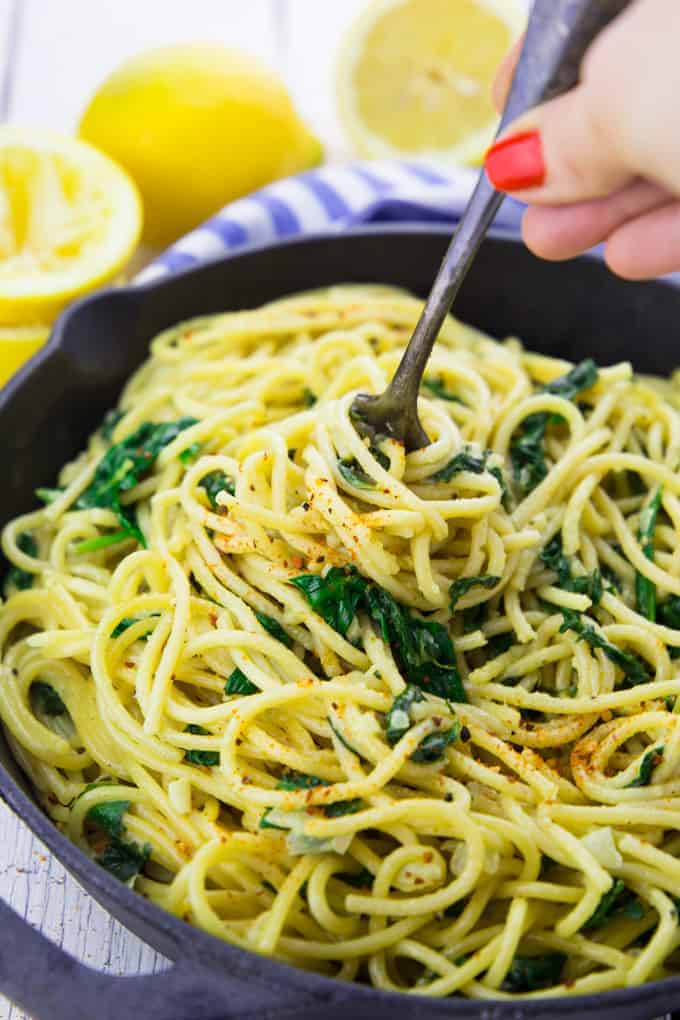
(36, 885)
(69, 46)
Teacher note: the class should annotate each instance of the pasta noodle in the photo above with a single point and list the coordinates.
(405, 719)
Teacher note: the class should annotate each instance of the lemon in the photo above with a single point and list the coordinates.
(69, 219)
(197, 126)
(17, 344)
(414, 76)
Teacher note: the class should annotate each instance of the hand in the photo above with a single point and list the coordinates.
(602, 162)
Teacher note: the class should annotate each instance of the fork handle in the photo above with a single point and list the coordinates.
(558, 35)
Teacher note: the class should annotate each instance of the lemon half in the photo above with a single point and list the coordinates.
(414, 76)
(69, 219)
(17, 345)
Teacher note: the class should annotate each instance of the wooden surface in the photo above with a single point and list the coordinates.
(53, 53)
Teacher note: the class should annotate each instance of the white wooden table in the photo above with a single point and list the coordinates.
(53, 53)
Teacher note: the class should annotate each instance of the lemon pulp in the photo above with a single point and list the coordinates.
(17, 345)
(69, 220)
(415, 75)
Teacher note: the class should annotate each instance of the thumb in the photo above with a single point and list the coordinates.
(561, 152)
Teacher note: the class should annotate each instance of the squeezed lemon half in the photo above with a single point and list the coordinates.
(17, 345)
(69, 220)
(414, 76)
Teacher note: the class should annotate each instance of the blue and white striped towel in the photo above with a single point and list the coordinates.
(329, 200)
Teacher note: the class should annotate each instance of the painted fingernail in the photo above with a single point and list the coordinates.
(516, 163)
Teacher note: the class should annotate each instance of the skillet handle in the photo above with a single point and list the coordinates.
(51, 985)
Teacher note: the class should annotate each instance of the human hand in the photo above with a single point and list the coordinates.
(602, 162)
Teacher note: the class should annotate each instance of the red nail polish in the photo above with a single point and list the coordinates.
(516, 163)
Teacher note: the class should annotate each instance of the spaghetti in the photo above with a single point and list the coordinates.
(407, 719)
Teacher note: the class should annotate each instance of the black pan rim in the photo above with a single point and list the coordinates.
(186, 940)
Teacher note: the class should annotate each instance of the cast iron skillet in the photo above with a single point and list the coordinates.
(574, 310)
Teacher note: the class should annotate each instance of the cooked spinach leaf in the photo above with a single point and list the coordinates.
(353, 473)
(611, 577)
(649, 762)
(585, 584)
(341, 738)
(274, 628)
(16, 576)
(197, 757)
(357, 879)
(437, 388)
(48, 496)
(128, 621)
(342, 807)
(526, 448)
(109, 816)
(238, 683)
(334, 597)
(191, 453)
(124, 466)
(45, 699)
(124, 860)
(668, 612)
(466, 460)
(433, 747)
(301, 781)
(474, 617)
(581, 377)
(617, 902)
(91, 545)
(111, 419)
(645, 590)
(606, 906)
(463, 585)
(634, 669)
(499, 644)
(214, 483)
(668, 615)
(532, 973)
(398, 719)
(423, 648)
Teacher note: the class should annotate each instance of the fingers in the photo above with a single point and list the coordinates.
(504, 75)
(562, 152)
(562, 232)
(617, 125)
(648, 246)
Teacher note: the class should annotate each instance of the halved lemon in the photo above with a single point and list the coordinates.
(69, 220)
(414, 76)
(17, 345)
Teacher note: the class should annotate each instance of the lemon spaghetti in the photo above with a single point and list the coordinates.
(403, 719)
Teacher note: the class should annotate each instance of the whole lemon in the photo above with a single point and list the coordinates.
(196, 126)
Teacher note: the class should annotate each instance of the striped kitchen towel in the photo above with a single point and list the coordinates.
(330, 199)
